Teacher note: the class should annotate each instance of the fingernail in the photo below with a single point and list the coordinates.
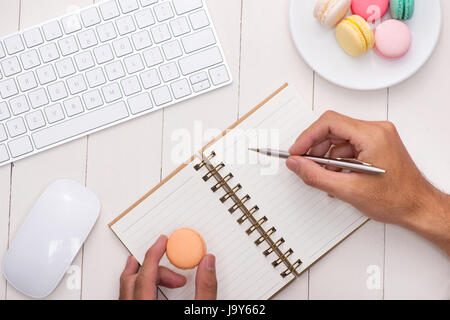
(210, 262)
(292, 164)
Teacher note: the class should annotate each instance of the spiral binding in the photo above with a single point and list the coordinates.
(248, 214)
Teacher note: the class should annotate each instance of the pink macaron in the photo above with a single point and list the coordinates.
(392, 39)
(370, 10)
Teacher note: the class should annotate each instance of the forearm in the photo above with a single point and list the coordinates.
(432, 219)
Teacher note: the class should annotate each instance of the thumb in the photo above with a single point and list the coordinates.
(205, 280)
(314, 175)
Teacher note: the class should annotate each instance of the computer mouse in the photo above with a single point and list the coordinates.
(47, 242)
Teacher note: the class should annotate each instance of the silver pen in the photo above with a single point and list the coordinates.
(343, 163)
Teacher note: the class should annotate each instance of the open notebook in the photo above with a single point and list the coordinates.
(263, 224)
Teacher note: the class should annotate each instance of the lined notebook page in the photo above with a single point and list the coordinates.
(308, 219)
(187, 201)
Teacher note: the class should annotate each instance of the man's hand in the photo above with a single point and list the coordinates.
(142, 283)
(402, 196)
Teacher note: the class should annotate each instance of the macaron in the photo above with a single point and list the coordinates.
(355, 36)
(392, 39)
(330, 12)
(370, 10)
(185, 248)
(402, 9)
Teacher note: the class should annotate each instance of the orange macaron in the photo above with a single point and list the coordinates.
(185, 248)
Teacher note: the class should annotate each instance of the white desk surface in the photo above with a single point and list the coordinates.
(120, 164)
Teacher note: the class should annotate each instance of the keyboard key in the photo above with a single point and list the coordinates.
(52, 30)
(27, 81)
(150, 78)
(109, 10)
(199, 19)
(3, 135)
(201, 76)
(19, 105)
(122, 47)
(180, 88)
(46, 74)
(140, 103)
(49, 52)
(35, 120)
(57, 91)
(114, 70)
(200, 60)
(144, 18)
(179, 26)
(111, 92)
(76, 84)
(130, 86)
(8, 88)
(30, 59)
(161, 95)
(125, 25)
(68, 45)
(65, 67)
(71, 23)
(183, 6)
(79, 125)
(2, 51)
(54, 113)
(73, 106)
(202, 85)
(106, 32)
(219, 75)
(4, 156)
(145, 3)
(134, 63)
(20, 147)
(87, 39)
(128, 5)
(14, 44)
(38, 98)
(95, 77)
(16, 127)
(172, 50)
(141, 40)
(153, 57)
(33, 37)
(198, 40)
(84, 60)
(92, 99)
(4, 111)
(160, 33)
(169, 71)
(90, 17)
(11, 66)
(163, 11)
(103, 54)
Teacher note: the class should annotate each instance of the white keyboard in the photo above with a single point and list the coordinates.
(106, 64)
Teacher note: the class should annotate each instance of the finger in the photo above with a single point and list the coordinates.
(128, 278)
(329, 125)
(335, 183)
(148, 275)
(170, 279)
(321, 149)
(344, 150)
(205, 280)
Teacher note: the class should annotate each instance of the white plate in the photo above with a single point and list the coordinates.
(319, 48)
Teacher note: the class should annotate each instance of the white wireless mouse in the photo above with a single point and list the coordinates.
(49, 239)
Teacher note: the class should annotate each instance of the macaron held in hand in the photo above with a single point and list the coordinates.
(185, 248)
(355, 36)
(402, 9)
(330, 12)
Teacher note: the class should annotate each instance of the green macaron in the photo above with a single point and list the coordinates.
(402, 9)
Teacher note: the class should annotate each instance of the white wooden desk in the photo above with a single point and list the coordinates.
(120, 164)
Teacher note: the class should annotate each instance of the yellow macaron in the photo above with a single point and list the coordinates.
(355, 36)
